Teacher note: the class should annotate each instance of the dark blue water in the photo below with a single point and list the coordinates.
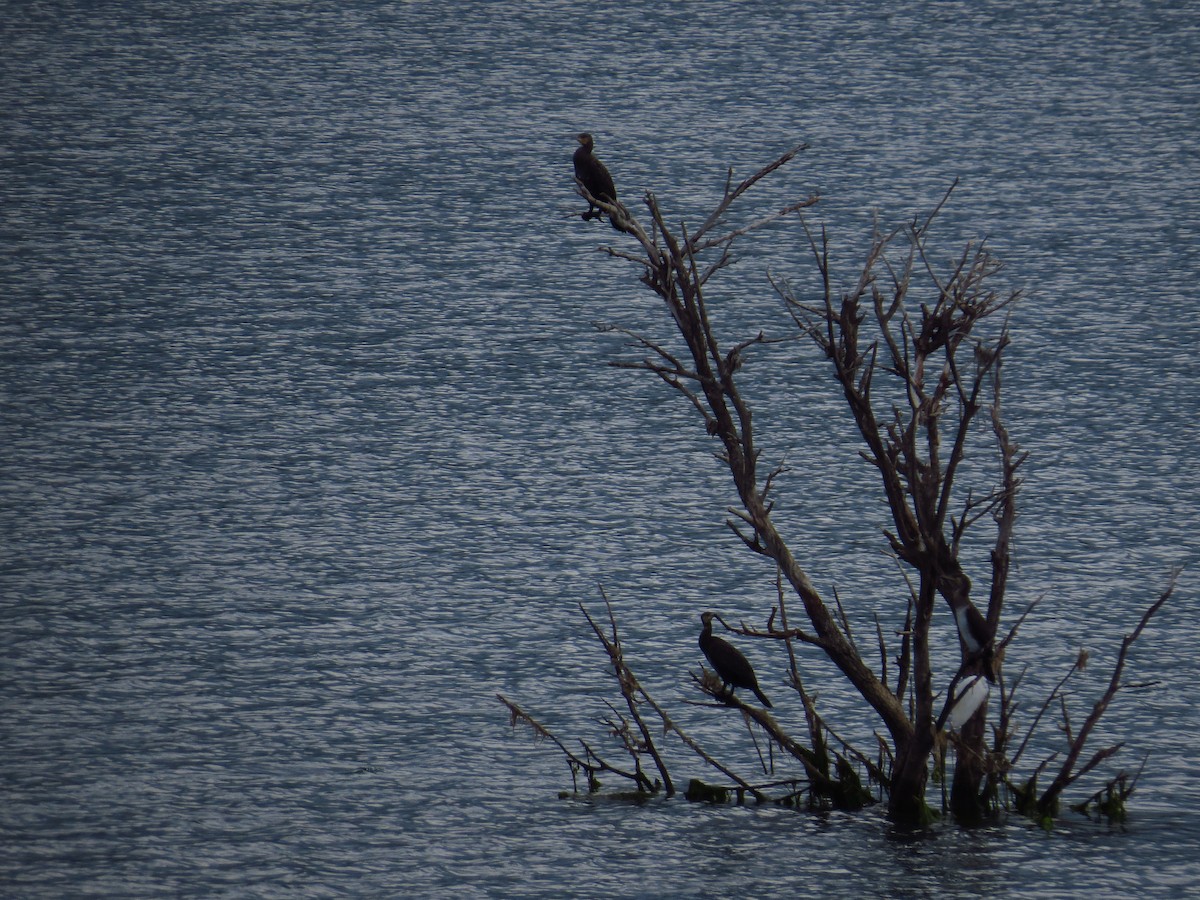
(308, 446)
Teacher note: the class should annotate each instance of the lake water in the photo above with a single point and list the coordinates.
(308, 445)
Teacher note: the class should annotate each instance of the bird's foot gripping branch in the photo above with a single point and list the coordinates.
(912, 345)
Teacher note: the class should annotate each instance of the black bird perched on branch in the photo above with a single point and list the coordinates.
(595, 178)
(731, 667)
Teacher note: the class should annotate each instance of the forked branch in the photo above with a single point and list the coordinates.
(1068, 773)
(630, 688)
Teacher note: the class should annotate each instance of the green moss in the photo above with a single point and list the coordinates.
(1110, 803)
(1025, 797)
(699, 792)
(851, 794)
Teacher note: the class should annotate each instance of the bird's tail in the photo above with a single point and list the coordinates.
(762, 697)
(621, 222)
(620, 225)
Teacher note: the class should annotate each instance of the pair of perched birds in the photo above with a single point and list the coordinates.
(595, 177)
(731, 666)
(735, 670)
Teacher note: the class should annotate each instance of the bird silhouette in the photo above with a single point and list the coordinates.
(593, 175)
(731, 666)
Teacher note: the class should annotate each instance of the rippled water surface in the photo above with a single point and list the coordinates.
(308, 444)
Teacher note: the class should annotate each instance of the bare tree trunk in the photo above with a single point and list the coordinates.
(906, 797)
(968, 803)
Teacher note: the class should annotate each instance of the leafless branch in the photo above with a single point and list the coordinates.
(630, 688)
(1067, 773)
(732, 194)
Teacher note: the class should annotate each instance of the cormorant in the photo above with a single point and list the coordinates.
(732, 668)
(595, 177)
(971, 694)
(976, 636)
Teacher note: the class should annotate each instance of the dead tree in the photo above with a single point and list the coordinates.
(939, 371)
(915, 369)
(915, 348)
